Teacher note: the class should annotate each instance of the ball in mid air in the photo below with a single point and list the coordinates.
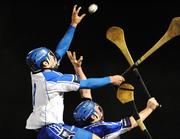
(92, 8)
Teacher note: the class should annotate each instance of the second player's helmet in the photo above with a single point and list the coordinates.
(35, 58)
(84, 110)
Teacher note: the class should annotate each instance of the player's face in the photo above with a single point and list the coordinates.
(52, 61)
(99, 112)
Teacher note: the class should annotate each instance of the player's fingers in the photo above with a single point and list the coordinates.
(69, 55)
(82, 16)
(79, 62)
(74, 55)
(78, 10)
(122, 78)
(80, 59)
(74, 8)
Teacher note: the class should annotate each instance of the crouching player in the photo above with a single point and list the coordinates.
(89, 115)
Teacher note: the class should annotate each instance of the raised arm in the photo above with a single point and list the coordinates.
(65, 42)
(95, 82)
(152, 104)
(85, 93)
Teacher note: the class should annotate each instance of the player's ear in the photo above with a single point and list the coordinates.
(93, 117)
(45, 64)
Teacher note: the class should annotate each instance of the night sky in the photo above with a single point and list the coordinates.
(27, 25)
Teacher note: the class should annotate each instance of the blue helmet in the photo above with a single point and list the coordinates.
(84, 110)
(35, 58)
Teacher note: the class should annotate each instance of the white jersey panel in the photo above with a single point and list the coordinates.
(47, 99)
(62, 86)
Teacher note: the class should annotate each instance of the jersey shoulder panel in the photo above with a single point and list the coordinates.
(57, 76)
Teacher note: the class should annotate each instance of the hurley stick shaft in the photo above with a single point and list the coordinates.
(139, 121)
(139, 77)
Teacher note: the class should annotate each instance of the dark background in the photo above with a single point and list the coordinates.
(26, 25)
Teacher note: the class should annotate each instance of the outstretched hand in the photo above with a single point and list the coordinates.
(117, 80)
(72, 57)
(152, 103)
(75, 18)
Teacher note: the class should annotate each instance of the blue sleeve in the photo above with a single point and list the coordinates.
(92, 83)
(110, 129)
(65, 42)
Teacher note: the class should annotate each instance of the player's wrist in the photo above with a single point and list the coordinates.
(151, 108)
(74, 24)
(111, 79)
(78, 69)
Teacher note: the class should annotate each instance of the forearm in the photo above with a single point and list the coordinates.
(85, 93)
(80, 72)
(65, 42)
(92, 83)
(143, 115)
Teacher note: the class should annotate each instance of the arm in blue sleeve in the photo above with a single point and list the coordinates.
(65, 42)
(92, 83)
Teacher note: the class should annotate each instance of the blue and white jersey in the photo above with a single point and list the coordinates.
(48, 89)
(109, 130)
(63, 131)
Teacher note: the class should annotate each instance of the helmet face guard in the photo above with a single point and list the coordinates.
(84, 110)
(35, 58)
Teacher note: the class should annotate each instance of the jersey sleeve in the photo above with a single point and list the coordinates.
(61, 82)
(110, 129)
(114, 129)
(92, 83)
(64, 43)
(126, 125)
